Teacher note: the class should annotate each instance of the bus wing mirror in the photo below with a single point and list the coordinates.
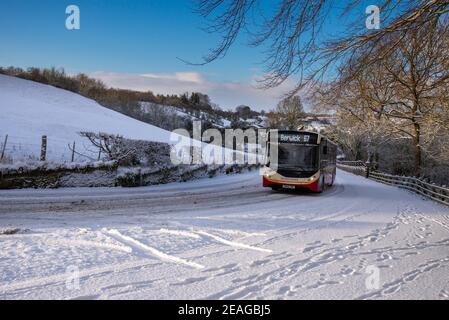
(325, 150)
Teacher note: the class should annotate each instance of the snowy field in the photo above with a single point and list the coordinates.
(223, 238)
(30, 110)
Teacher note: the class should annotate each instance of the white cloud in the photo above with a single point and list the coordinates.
(226, 93)
(193, 77)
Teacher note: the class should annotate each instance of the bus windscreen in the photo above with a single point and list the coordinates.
(298, 157)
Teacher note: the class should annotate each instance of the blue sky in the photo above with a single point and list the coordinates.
(132, 44)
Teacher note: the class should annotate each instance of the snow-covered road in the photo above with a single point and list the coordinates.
(224, 238)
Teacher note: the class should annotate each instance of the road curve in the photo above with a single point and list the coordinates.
(224, 238)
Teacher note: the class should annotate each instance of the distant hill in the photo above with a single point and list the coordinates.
(138, 105)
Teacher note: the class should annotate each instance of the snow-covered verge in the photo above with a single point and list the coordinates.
(223, 238)
(105, 174)
(136, 177)
(54, 175)
(24, 167)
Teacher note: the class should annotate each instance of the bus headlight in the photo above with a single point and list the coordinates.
(266, 171)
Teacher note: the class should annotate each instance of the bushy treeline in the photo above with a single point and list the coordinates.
(129, 102)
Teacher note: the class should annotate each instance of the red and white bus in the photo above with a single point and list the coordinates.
(304, 160)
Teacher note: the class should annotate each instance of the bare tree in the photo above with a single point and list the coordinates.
(406, 90)
(293, 38)
(288, 115)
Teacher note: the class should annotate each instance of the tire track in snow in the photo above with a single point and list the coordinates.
(318, 221)
(95, 244)
(232, 243)
(180, 233)
(141, 247)
(239, 232)
(70, 200)
(198, 233)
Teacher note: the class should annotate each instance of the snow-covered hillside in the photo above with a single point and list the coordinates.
(30, 110)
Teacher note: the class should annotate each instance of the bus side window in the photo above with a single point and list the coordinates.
(325, 150)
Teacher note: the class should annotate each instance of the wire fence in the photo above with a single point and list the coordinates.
(427, 189)
(355, 167)
(24, 148)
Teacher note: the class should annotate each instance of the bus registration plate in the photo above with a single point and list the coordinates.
(286, 186)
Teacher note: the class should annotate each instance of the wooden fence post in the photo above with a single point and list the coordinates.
(73, 151)
(99, 155)
(367, 166)
(140, 177)
(4, 147)
(44, 148)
